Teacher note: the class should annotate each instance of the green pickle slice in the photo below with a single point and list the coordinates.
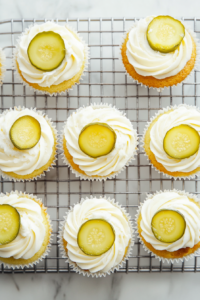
(25, 133)
(95, 237)
(46, 51)
(168, 226)
(9, 223)
(181, 142)
(165, 34)
(97, 139)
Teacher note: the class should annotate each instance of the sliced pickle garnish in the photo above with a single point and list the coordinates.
(25, 133)
(9, 223)
(181, 142)
(46, 51)
(165, 34)
(97, 139)
(95, 237)
(168, 226)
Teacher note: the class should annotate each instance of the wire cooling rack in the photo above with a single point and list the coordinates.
(104, 82)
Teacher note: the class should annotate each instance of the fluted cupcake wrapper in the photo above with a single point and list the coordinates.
(48, 248)
(19, 108)
(186, 80)
(177, 260)
(100, 178)
(73, 265)
(160, 112)
(86, 62)
(2, 66)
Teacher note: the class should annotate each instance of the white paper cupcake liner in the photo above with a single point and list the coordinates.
(177, 260)
(73, 265)
(186, 80)
(160, 112)
(19, 108)
(48, 248)
(2, 63)
(97, 178)
(87, 55)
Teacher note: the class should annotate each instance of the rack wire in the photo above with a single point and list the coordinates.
(105, 82)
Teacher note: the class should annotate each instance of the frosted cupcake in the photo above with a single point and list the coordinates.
(25, 230)
(169, 225)
(50, 58)
(171, 141)
(2, 65)
(159, 51)
(96, 237)
(28, 143)
(98, 142)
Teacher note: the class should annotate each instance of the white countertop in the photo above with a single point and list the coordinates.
(117, 286)
(95, 8)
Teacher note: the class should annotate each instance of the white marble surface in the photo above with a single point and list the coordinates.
(117, 286)
(95, 8)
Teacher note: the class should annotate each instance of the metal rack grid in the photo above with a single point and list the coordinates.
(106, 82)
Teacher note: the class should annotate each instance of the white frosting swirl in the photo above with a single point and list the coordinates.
(173, 201)
(97, 209)
(181, 115)
(148, 62)
(125, 143)
(70, 66)
(32, 230)
(23, 162)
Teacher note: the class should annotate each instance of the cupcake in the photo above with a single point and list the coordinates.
(50, 58)
(96, 237)
(171, 141)
(98, 142)
(159, 51)
(168, 224)
(28, 142)
(2, 65)
(25, 230)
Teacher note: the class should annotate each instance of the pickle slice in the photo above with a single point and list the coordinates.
(97, 139)
(181, 142)
(95, 237)
(46, 51)
(9, 223)
(165, 34)
(25, 133)
(168, 226)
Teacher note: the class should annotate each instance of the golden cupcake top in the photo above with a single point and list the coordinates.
(27, 141)
(159, 47)
(49, 54)
(170, 221)
(173, 137)
(100, 140)
(96, 235)
(22, 230)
